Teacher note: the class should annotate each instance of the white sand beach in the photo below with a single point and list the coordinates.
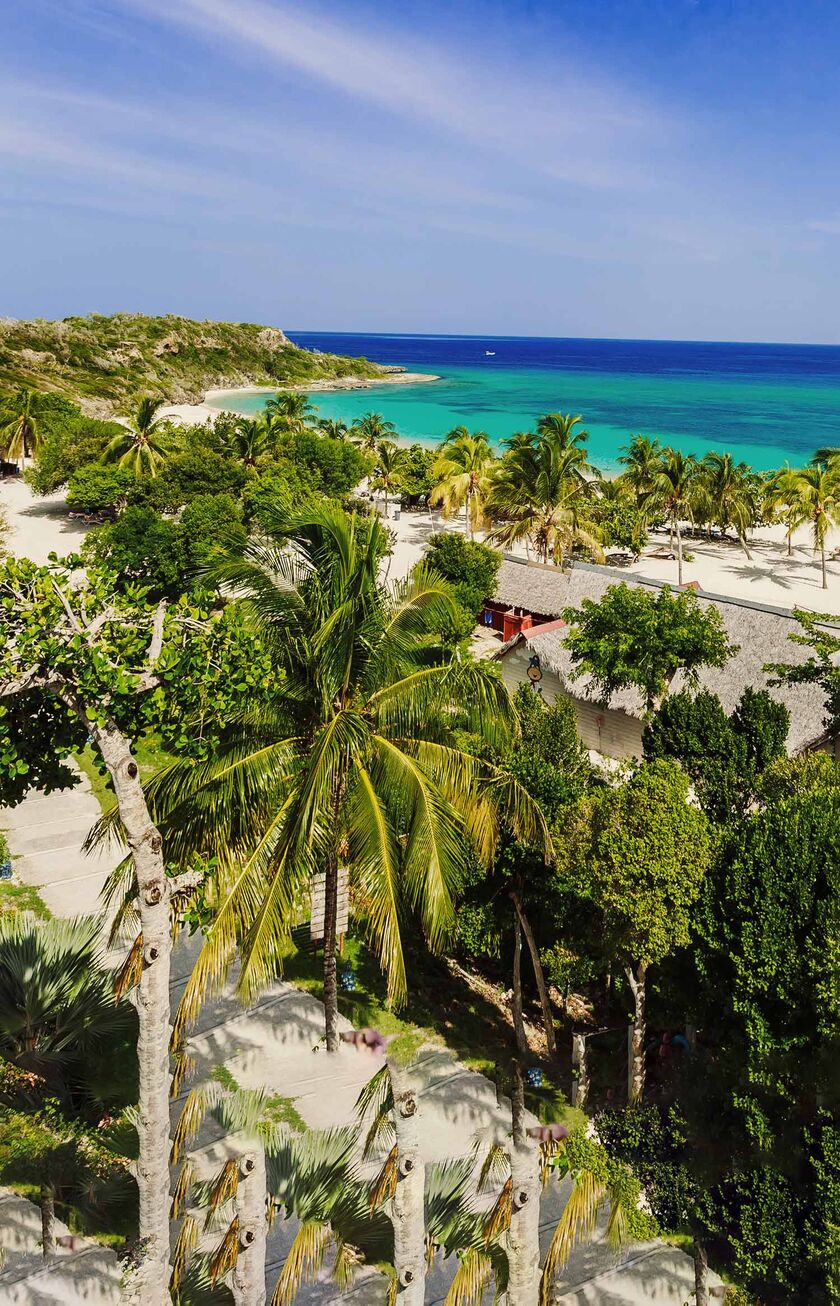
(719, 567)
(225, 400)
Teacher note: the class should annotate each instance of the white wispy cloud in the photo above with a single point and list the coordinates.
(574, 130)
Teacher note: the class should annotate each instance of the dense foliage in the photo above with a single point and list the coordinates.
(117, 359)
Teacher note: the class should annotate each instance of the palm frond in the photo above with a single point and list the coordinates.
(304, 1259)
(385, 1184)
(576, 1224)
(474, 1272)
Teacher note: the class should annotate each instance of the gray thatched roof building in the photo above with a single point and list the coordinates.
(761, 633)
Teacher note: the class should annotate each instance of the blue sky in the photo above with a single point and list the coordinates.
(639, 168)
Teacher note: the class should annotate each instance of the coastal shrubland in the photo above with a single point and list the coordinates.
(108, 363)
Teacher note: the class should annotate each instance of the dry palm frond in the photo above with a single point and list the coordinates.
(224, 1258)
(381, 1133)
(184, 1248)
(304, 1260)
(576, 1223)
(495, 1168)
(189, 1123)
(548, 1151)
(129, 973)
(347, 1259)
(498, 1219)
(617, 1225)
(385, 1183)
(471, 1279)
(223, 1188)
(185, 1065)
(182, 1189)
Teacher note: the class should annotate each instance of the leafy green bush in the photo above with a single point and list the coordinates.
(622, 525)
(471, 568)
(98, 488)
(336, 466)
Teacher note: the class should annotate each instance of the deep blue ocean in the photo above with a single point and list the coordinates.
(765, 403)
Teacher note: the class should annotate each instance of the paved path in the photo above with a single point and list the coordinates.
(45, 834)
(89, 1273)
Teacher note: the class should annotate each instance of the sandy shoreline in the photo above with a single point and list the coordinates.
(205, 411)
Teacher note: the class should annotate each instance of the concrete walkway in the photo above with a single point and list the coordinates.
(88, 1273)
(45, 834)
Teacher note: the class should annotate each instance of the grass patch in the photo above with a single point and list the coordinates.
(278, 1109)
(22, 897)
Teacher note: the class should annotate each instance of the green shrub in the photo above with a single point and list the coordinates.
(98, 488)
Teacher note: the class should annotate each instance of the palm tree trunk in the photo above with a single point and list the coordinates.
(468, 511)
(539, 973)
(679, 553)
(150, 1285)
(330, 966)
(47, 1203)
(742, 539)
(636, 1041)
(408, 1202)
(701, 1273)
(248, 1279)
(523, 1241)
(822, 566)
(386, 503)
(516, 1002)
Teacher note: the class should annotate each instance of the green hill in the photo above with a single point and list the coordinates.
(105, 363)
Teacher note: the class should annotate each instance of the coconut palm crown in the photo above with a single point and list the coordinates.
(355, 766)
(142, 446)
(463, 473)
(20, 434)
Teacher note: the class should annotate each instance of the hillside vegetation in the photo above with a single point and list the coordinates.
(106, 363)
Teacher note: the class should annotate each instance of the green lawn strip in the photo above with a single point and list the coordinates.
(16, 897)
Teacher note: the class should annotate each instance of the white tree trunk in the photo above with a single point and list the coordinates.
(150, 1284)
(523, 1238)
(408, 1202)
(248, 1281)
(636, 1035)
(580, 1063)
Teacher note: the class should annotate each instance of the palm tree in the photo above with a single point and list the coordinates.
(289, 411)
(642, 458)
(462, 473)
(353, 774)
(730, 490)
(370, 430)
(816, 500)
(560, 428)
(19, 431)
(142, 447)
(540, 494)
(334, 428)
(672, 490)
(58, 1015)
(387, 474)
(249, 439)
(780, 497)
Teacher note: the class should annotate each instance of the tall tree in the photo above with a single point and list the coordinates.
(353, 770)
(642, 459)
(641, 851)
(248, 439)
(672, 489)
(77, 662)
(387, 473)
(636, 637)
(143, 445)
(731, 491)
(289, 411)
(462, 475)
(780, 499)
(816, 502)
(542, 494)
(334, 428)
(370, 430)
(20, 433)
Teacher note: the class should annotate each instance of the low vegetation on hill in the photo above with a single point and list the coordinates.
(106, 362)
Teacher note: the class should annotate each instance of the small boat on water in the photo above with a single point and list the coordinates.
(489, 353)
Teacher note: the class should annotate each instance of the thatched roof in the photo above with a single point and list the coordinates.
(761, 633)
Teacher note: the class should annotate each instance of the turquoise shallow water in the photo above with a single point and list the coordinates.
(764, 403)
